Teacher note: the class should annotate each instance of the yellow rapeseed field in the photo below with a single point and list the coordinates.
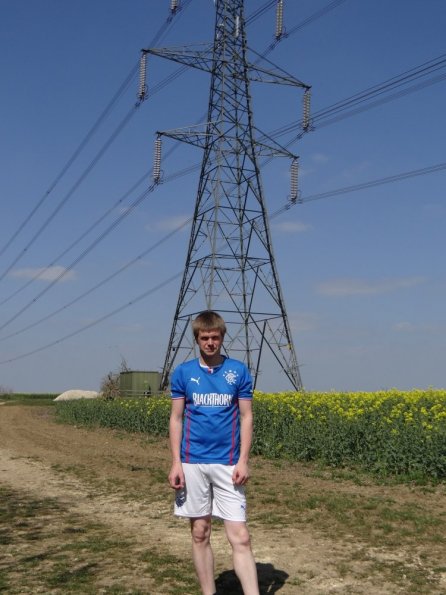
(386, 432)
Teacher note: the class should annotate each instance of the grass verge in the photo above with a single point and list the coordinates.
(28, 399)
(47, 549)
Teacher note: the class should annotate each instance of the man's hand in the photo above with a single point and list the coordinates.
(176, 476)
(240, 475)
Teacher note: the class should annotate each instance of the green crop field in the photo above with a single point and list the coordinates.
(392, 432)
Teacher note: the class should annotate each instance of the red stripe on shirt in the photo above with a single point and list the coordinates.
(234, 426)
(187, 446)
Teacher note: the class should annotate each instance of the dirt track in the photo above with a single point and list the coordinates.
(119, 480)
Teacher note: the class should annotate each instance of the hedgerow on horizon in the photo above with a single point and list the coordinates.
(389, 432)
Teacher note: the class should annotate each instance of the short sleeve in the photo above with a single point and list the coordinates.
(245, 386)
(177, 387)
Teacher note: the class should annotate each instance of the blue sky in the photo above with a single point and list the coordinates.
(362, 273)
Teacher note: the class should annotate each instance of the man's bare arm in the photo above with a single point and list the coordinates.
(241, 471)
(176, 475)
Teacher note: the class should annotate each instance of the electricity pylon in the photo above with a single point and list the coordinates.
(230, 266)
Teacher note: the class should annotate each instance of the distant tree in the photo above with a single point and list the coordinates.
(5, 391)
(110, 386)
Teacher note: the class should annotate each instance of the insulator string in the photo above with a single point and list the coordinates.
(306, 110)
(157, 161)
(279, 19)
(294, 180)
(142, 92)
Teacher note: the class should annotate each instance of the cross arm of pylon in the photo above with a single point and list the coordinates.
(268, 147)
(199, 137)
(204, 60)
(187, 55)
(266, 75)
(191, 135)
(273, 74)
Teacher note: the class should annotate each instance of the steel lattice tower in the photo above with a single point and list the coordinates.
(230, 266)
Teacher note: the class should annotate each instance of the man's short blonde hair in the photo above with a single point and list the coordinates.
(208, 321)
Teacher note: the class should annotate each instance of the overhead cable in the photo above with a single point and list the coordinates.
(121, 90)
(95, 322)
(334, 112)
(254, 16)
(365, 185)
(313, 17)
(93, 226)
(397, 79)
(84, 253)
(70, 193)
(283, 209)
(260, 11)
(316, 15)
(406, 76)
(93, 245)
(42, 272)
(74, 156)
(100, 283)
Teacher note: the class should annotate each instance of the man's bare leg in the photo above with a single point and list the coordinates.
(243, 559)
(202, 553)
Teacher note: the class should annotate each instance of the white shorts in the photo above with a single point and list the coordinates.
(210, 491)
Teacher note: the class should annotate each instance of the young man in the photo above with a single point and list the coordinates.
(210, 438)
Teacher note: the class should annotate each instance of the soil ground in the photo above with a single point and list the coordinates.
(313, 532)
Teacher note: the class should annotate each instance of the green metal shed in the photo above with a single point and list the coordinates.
(139, 383)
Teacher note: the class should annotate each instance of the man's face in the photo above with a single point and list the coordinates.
(210, 342)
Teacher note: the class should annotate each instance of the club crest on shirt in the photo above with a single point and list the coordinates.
(230, 376)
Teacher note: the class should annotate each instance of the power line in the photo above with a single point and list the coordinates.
(163, 29)
(360, 95)
(169, 79)
(319, 196)
(100, 283)
(121, 90)
(96, 322)
(93, 245)
(76, 185)
(313, 17)
(407, 75)
(287, 206)
(76, 261)
(365, 185)
(260, 11)
(335, 111)
(382, 101)
(110, 210)
(70, 193)
(42, 272)
(397, 80)
(316, 15)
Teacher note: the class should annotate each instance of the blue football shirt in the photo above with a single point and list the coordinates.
(211, 427)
